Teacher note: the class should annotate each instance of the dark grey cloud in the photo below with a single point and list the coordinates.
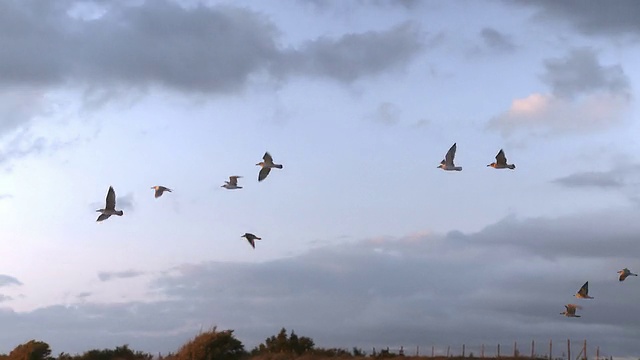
(111, 275)
(591, 179)
(623, 177)
(6, 280)
(591, 17)
(497, 41)
(581, 73)
(505, 283)
(353, 56)
(197, 49)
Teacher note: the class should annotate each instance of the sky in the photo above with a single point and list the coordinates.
(365, 242)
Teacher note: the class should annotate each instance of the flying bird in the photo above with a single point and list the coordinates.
(266, 165)
(570, 310)
(624, 273)
(110, 207)
(232, 183)
(251, 239)
(583, 293)
(501, 162)
(159, 190)
(447, 163)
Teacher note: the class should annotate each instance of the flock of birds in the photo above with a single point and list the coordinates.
(265, 168)
(267, 164)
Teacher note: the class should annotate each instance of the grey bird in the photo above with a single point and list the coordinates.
(232, 183)
(251, 239)
(159, 190)
(110, 207)
(624, 273)
(447, 163)
(570, 310)
(501, 162)
(266, 165)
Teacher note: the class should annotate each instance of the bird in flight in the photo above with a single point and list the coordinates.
(110, 207)
(501, 162)
(251, 239)
(159, 190)
(583, 293)
(232, 183)
(447, 163)
(624, 273)
(266, 165)
(570, 310)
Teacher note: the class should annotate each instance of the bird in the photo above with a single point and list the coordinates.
(583, 293)
(447, 163)
(110, 207)
(160, 190)
(251, 239)
(501, 162)
(571, 310)
(232, 183)
(624, 273)
(266, 165)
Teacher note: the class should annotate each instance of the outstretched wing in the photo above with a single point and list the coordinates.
(500, 158)
(267, 158)
(233, 180)
(584, 290)
(450, 154)
(103, 217)
(111, 199)
(263, 173)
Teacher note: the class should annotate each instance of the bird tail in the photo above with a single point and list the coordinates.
(279, 166)
(512, 166)
(257, 238)
(119, 212)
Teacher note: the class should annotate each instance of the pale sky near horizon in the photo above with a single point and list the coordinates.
(365, 242)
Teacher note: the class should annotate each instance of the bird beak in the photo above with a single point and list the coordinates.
(488, 165)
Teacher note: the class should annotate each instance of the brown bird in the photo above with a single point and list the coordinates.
(159, 190)
(110, 206)
(266, 165)
(251, 239)
(624, 273)
(571, 310)
(501, 162)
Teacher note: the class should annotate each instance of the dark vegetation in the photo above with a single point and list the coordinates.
(217, 345)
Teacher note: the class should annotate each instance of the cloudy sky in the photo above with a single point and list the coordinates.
(364, 241)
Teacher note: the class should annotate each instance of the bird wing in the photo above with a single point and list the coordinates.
(584, 290)
(267, 158)
(233, 180)
(450, 155)
(111, 199)
(159, 191)
(622, 276)
(263, 173)
(500, 158)
(103, 217)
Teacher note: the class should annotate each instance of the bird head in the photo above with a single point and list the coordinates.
(492, 165)
(261, 163)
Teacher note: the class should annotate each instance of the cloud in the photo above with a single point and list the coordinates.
(586, 96)
(497, 41)
(623, 177)
(354, 56)
(590, 179)
(6, 280)
(111, 275)
(386, 113)
(505, 283)
(594, 18)
(580, 73)
(126, 202)
(202, 49)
